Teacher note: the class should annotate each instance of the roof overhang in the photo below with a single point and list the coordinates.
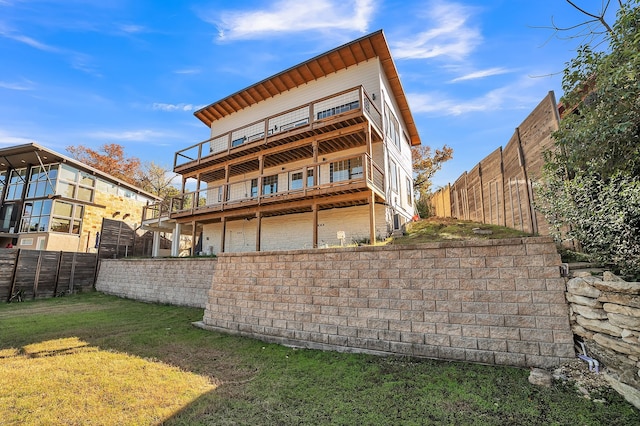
(32, 154)
(361, 50)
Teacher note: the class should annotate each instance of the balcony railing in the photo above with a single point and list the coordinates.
(355, 99)
(336, 176)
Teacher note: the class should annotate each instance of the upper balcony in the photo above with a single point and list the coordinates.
(321, 116)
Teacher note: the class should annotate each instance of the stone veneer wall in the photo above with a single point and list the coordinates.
(494, 302)
(183, 282)
(605, 313)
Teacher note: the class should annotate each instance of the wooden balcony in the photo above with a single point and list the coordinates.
(349, 186)
(340, 121)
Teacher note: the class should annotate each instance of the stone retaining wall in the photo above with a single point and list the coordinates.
(605, 313)
(493, 302)
(183, 282)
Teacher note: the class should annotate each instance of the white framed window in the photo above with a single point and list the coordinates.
(295, 180)
(345, 169)
(269, 184)
(393, 176)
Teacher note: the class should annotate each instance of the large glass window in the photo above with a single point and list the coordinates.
(345, 169)
(392, 126)
(409, 191)
(35, 216)
(67, 217)
(75, 184)
(3, 176)
(42, 181)
(17, 181)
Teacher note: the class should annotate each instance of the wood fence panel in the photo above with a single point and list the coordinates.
(515, 189)
(491, 167)
(474, 192)
(47, 274)
(26, 273)
(7, 263)
(535, 135)
(40, 274)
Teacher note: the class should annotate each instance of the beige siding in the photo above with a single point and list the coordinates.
(295, 231)
(365, 74)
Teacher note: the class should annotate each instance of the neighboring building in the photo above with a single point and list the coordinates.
(316, 155)
(52, 202)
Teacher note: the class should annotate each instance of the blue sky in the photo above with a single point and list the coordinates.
(133, 72)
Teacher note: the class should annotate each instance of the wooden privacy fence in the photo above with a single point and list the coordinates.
(39, 274)
(118, 239)
(499, 189)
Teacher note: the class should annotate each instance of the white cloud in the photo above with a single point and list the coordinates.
(158, 106)
(450, 35)
(132, 28)
(289, 16)
(188, 71)
(132, 135)
(26, 85)
(513, 96)
(8, 139)
(481, 74)
(31, 42)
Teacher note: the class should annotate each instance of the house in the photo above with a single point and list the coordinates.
(52, 202)
(316, 155)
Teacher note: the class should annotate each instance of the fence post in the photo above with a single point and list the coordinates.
(55, 286)
(37, 276)
(73, 271)
(13, 276)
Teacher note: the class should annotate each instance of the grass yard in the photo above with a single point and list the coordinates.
(96, 359)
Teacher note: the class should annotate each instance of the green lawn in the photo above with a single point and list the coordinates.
(96, 359)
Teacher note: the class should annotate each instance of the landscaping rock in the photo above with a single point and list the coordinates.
(618, 286)
(579, 330)
(610, 276)
(540, 377)
(582, 287)
(631, 394)
(590, 313)
(616, 344)
(584, 301)
(600, 326)
(624, 321)
(620, 299)
(622, 310)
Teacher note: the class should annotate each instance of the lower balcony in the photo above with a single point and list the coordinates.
(338, 183)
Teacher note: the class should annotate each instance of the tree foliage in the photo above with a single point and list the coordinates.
(111, 159)
(425, 165)
(157, 180)
(592, 178)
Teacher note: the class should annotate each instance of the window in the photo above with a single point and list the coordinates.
(79, 185)
(254, 188)
(338, 110)
(238, 142)
(409, 191)
(269, 185)
(392, 126)
(295, 180)
(393, 176)
(310, 180)
(345, 169)
(67, 217)
(35, 216)
(17, 181)
(42, 181)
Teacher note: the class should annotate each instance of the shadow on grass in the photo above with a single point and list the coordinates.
(260, 383)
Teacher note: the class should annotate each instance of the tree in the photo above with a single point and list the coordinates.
(592, 178)
(157, 180)
(109, 158)
(425, 165)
